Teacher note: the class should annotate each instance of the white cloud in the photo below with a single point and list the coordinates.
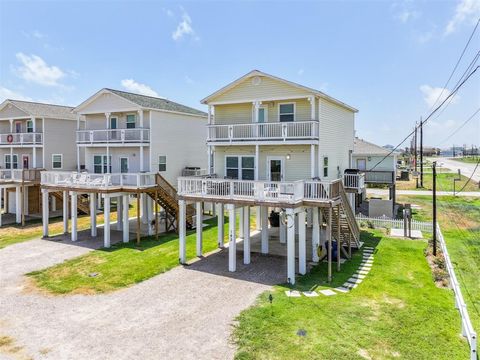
(405, 15)
(133, 86)
(465, 10)
(37, 34)
(431, 94)
(10, 94)
(184, 28)
(35, 69)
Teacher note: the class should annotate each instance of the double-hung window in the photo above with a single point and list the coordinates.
(9, 162)
(100, 165)
(325, 166)
(286, 112)
(240, 167)
(57, 161)
(162, 163)
(29, 126)
(131, 121)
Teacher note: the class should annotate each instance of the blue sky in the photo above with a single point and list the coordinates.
(388, 59)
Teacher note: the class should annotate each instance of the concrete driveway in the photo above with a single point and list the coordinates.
(186, 313)
(465, 168)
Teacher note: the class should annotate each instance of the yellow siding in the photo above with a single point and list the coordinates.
(267, 89)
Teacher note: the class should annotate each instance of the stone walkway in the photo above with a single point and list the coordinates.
(185, 313)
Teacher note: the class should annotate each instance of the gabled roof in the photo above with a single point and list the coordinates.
(146, 102)
(42, 110)
(362, 147)
(260, 73)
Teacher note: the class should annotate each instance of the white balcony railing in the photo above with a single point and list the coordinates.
(289, 192)
(354, 181)
(21, 139)
(283, 131)
(90, 180)
(17, 175)
(121, 136)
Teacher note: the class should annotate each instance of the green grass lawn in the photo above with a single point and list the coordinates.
(459, 220)
(444, 183)
(396, 312)
(121, 265)
(470, 160)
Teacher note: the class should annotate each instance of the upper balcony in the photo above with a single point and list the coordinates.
(21, 139)
(115, 137)
(19, 175)
(305, 131)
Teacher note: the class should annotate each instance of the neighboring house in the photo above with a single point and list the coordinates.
(132, 144)
(275, 144)
(378, 163)
(33, 136)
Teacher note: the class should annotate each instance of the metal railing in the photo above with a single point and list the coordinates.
(295, 130)
(31, 138)
(354, 181)
(91, 180)
(121, 136)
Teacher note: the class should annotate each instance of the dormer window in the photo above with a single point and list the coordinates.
(131, 120)
(286, 112)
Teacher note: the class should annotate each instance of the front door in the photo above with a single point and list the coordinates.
(262, 117)
(25, 161)
(18, 127)
(113, 126)
(124, 165)
(275, 168)
(361, 164)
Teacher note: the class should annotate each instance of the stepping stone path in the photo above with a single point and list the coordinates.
(352, 283)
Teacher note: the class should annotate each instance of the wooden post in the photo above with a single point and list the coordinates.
(156, 214)
(338, 237)
(138, 217)
(22, 195)
(329, 236)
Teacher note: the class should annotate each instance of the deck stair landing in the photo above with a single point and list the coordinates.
(348, 224)
(83, 203)
(168, 200)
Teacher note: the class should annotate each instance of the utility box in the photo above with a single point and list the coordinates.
(380, 207)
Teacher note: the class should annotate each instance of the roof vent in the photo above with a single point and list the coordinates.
(256, 80)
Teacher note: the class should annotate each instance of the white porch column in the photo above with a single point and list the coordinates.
(143, 208)
(54, 203)
(99, 201)
(246, 238)
(149, 214)
(73, 211)
(125, 222)
(182, 231)
(65, 212)
(108, 160)
(209, 118)
(315, 235)
(199, 228)
(290, 246)
(311, 99)
(282, 229)
(93, 214)
(258, 218)
(257, 154)
(220, 224)
(302, 243)
(240, 225)
(258, 215)
(232, 245)
(119, 213)
(106, 226)
(45, 212)
(18, 204)
(312, 161)
(264, 211)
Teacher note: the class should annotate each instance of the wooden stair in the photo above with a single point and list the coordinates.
(168, 200)
(349, 229)
(83, 204)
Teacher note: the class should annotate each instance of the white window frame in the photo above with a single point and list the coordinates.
(110, 122)
(29, 127)
(283, 171)
(102, 163)
(255, 116)
(165, 156)
(325, 167)
(239, 168)
(294, 110)
(120, 164)
(134, 121)
(15, 156)
(61, 162)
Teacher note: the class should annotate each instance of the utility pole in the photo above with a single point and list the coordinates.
(453, 148)
(421, 153)
(434, 169)
(415, 151)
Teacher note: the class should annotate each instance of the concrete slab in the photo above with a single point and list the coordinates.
(342, 289)
(354, 280)
(359, 276)
(310, 293)
(293, 293)
(328, 292)
(416, 234)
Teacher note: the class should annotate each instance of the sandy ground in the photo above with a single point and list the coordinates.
(186, 313)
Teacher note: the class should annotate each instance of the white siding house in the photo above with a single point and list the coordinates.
(279, 146)
(33, 137)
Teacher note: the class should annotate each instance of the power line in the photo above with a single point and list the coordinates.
(459, 128)
(429, 116)
(470, 178)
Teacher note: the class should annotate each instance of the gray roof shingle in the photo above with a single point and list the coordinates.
(157, 103)
(45, 110)
(363, 147)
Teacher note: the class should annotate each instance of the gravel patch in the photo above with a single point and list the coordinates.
(185, 313)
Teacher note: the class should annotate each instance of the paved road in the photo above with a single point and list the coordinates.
(185, 313)
(382, 192)
(465, 168)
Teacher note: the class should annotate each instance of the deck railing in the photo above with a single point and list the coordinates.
(121, 136)
(31, 138)
(283, 131)
(354, 181)
(19, 175)
(90, 180)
